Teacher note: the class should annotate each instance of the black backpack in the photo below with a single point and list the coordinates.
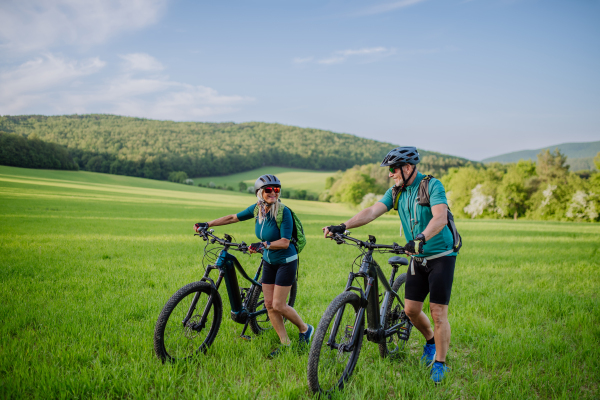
(423, 200)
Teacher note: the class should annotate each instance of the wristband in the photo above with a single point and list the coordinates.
(267, 245)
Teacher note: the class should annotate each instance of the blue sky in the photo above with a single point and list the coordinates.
(473, 78)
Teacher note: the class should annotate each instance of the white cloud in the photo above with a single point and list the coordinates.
(27, 25)
(55, 85)
(369, 53)
(29, 82)
(387, 7)
(300, 60)
(362, 52)
(141, 62)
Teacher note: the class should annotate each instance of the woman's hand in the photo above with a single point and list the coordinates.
(200, 226)
(255, 247)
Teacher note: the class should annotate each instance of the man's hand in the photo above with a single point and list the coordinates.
(200, 226)
(330, 230)
(415, 246)
(255, 247)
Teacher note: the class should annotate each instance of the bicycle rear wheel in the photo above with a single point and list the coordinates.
(394, 345)
(330, 363)
(262, 322)
(180, 331)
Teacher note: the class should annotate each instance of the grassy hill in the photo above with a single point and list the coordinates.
(153, 149)
(579, 155)
(291, 179)
(88, 260)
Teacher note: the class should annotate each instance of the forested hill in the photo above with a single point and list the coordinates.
(579, 155)
(153, 149)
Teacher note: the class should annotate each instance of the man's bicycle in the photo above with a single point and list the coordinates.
(339, 336)
(189, 322)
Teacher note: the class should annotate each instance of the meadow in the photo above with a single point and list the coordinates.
(88, 260)
(291, 178)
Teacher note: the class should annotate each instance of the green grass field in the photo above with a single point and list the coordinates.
(291, 178)
(87, 262)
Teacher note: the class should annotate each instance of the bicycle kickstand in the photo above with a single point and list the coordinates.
(246, 337)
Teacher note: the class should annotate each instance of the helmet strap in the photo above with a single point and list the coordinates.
(404, 181)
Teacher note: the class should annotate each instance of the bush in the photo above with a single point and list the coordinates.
(179, 177)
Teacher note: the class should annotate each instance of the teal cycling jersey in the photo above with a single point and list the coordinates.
(268, 231)
(415, 218)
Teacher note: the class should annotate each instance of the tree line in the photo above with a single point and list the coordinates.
(31, 152)
(154, 149)
(542, 190)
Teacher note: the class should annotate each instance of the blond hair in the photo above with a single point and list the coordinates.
(263, 205)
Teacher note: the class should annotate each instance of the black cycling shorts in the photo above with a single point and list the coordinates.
(279, 274)
(435, 279)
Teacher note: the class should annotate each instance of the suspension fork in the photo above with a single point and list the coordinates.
(209, 302)
(358, 322)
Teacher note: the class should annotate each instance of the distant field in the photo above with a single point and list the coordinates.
(88, 260)
(291, 178)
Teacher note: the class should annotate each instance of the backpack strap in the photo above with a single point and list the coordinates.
(278, 219)
(423, 195)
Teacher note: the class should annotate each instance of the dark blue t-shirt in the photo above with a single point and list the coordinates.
(268, 231)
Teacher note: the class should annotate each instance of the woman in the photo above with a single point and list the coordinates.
(280, 259)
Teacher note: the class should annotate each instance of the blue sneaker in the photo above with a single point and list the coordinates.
(306, 336)
(438, 371)
(428, 356)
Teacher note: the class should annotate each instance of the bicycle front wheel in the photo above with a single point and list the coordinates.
(331, 361)
(256, 303)
(394, 346)
(188, 323)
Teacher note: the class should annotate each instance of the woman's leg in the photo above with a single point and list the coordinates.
(281, 307)
(275, 316)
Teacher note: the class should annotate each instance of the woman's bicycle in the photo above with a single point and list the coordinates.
(189, 322)
(339, 336)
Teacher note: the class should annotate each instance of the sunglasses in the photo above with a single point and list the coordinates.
(269, 189)
(393, 168)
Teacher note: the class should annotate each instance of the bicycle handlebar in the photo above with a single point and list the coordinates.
(369, 244)
(204, 234)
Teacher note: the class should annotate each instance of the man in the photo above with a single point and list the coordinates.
(430, 244)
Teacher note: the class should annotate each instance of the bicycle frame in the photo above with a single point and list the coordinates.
(227, 264)
(371, 272)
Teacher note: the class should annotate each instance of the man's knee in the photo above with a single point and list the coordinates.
(439, 313)
(413, 310)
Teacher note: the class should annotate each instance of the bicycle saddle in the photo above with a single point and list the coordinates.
(397, 260)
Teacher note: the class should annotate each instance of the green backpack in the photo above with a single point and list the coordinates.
(298, 236)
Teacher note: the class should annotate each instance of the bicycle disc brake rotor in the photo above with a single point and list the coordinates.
(188, 329)
(343, 355)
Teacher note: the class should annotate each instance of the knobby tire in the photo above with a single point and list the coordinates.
(329, 369)
(392, 346)
(175, 341)
(262, 322)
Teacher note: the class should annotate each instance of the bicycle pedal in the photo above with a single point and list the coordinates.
(246, 337)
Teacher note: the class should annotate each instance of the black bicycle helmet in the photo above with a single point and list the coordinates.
(400, 156)
(266, 180)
